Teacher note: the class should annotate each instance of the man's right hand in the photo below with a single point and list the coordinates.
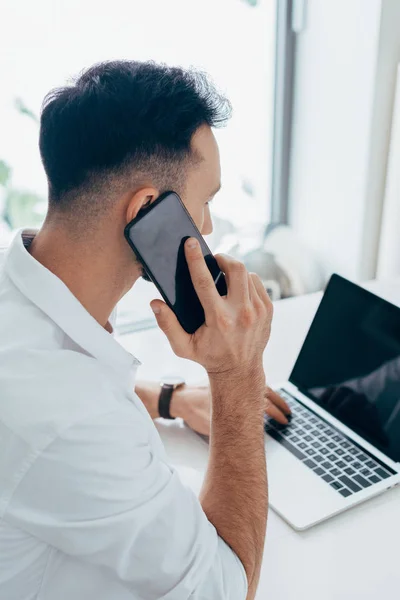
(230, 345)
(237, 327)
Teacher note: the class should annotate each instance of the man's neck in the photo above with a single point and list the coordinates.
(92, 271)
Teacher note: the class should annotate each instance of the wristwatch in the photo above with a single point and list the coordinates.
(168, 386)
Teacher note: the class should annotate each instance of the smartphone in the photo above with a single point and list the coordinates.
(157, 236)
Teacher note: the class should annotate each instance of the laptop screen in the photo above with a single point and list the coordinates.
(350, 363)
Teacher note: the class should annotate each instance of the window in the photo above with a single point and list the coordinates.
(45, 43)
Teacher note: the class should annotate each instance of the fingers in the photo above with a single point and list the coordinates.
(275, 413)
(254, 295)
(262, 292)
(237, 278)
(169, 324)
(276, 399)
(201, 276)
(276, 407)
(252, 290)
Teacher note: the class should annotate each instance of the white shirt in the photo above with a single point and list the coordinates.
(89, 507)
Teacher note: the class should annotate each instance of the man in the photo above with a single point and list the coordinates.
(89, 507)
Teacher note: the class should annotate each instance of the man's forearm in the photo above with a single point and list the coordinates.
(149, 393)
(234, 495)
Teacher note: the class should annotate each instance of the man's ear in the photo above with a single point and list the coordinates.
(139, 200)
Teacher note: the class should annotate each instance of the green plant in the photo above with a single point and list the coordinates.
(20, 207)
(24, 110)
(5, 173)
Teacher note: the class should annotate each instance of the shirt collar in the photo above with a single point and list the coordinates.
(53, 297)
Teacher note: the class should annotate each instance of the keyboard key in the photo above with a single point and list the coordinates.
(319, 471)
(349, 483)
(374, 479)
(345, 444)
(382, 473)
(349, 471)
(336, 484)
(327, 478)
(332, 457)
(324, 451)
(362, 457)
(353, 450)
(331, 445)
(294, 439)
(340, 451)
(335, 472)
(326, 465)
(302, 445)
(307, 426)
(286, 444)
(357, 465)
(310, 451)
(348, 458)
(316, 445)
(313, 420)
(323, 438)
(345, 492)
(337, 438)
(341, 464)
(318, 458)
(308, 438)
(363, 482)
(309, 463)
(371, 464)
(366, 472)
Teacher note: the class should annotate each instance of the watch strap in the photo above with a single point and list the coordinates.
(164, 401)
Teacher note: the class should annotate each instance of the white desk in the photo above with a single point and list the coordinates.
(355, 556)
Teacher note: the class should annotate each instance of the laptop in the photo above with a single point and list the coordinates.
(342, 445)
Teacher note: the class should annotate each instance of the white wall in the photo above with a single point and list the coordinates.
(335, 121)
(389, 251)
(380, 139)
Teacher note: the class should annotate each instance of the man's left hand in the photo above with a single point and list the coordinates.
(193, 404)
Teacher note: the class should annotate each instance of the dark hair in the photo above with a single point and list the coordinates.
(120, 118)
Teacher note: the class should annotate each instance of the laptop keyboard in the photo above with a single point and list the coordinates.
(328, 453)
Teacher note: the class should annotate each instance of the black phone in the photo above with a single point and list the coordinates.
(157, 236)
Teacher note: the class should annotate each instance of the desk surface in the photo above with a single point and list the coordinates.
(353, 556)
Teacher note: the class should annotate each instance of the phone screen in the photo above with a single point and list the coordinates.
(157, 236)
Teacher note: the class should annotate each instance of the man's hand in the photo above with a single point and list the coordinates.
(193, 404)
(231, 342)
(230, 346)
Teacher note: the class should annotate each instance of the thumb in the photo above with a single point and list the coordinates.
(169, 324)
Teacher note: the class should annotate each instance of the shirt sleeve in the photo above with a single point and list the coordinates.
(100, 492)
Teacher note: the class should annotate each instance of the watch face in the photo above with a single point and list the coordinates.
(174, 380)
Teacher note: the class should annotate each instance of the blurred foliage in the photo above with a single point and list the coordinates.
(5, 173)
(20, 208)
(24, 110)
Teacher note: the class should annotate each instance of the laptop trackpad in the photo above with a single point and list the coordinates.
(295, 492)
